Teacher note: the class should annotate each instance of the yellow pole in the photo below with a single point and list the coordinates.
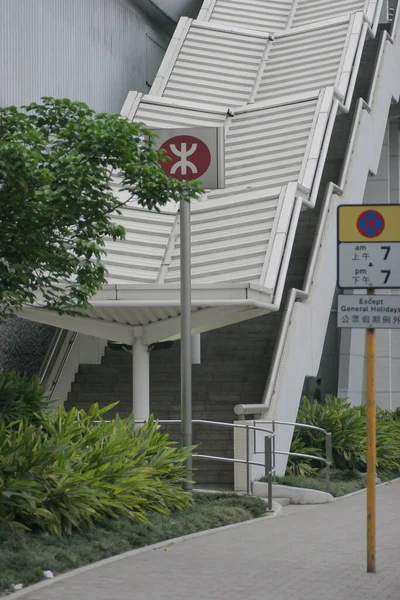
(371, 450)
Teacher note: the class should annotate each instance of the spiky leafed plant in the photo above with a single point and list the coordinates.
(76, 468)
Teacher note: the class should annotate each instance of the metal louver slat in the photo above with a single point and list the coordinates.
(232, 64)
(269, 15)
(229, 242)
(280, 128)
(138, 258)
(310, 11)
(237, 273)
(158, 115)
(122, 274)
(303, 62)
(137, 261)
(325, 63)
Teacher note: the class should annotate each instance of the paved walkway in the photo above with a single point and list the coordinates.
(309, 553)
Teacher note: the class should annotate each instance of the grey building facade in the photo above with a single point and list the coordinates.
(94, 51)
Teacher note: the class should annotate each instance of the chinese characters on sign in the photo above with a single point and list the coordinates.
(365, 312)
(369, 247)
(369, 265)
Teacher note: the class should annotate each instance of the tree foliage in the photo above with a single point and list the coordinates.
(57, 162)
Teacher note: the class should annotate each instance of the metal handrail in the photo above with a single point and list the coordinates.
(49, 356)
(328, 447)
(320, 458)
(247, 461)
(269, 449)
(62, 363)
(304, 425)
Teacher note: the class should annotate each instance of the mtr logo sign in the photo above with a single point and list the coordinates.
(193, 153)
(189, 157)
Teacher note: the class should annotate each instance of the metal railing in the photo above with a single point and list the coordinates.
(59, 351)
(268, 462)
(269, 451)
(327, 460)
(50, 356)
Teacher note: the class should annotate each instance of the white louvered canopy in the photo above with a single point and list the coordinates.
(272, 74)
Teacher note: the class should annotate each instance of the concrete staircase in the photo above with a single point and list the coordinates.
(232, 371)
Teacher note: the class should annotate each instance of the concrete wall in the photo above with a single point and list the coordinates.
(23, 345)
(95, 51)
(329, 366)
(83, 349)
(177, 8)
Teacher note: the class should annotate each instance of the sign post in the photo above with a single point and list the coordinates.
(195, 153)
(371, 449)
(369, 258)
(186, 336)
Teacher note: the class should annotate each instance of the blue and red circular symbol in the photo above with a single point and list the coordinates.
(370, 223)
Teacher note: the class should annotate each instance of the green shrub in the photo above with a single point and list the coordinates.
(21, 397)
(341, 475)
(396, 414)
(348, 425)
(71, 471)
(255, 506)
(299, 466)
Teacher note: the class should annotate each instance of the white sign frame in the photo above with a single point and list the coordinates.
(368, 311)
(214, 138)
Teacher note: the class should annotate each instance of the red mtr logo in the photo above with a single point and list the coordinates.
(190, 157)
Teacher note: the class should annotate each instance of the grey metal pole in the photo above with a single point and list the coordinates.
(247, 460)
(268, 468)
(186, 342)
(328, 456)
(274, 449)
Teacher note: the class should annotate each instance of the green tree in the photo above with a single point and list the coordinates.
(58, 162)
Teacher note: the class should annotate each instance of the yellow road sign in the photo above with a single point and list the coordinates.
(369, 222)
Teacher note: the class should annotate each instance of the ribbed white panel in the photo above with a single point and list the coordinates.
(304, 62)
(215, 67)
(138, 258)
(310, 11)
(265, 148)
(229, 242)
(269, 139)
(262, 15)
(160, 115)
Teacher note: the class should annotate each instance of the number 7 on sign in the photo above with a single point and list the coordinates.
(387, 252)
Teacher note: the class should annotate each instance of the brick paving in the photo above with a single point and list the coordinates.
(308, 553)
